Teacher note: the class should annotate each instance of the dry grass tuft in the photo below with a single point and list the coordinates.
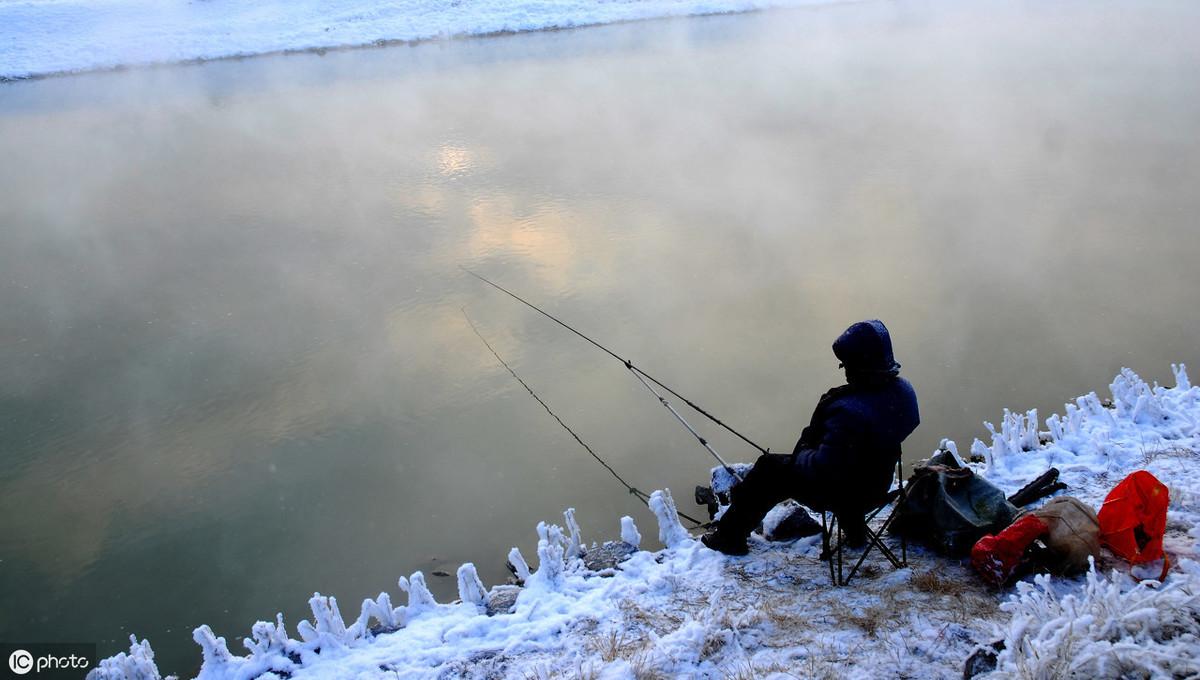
(971, 606)
(541, 672)
(823, 662)
(608, 647)
(749, 671)
(661, 622)
(643, 667)
(783, 618)
(588, 672)
(1173, 451)
(869, 620)
(712, 645)
(934, 582)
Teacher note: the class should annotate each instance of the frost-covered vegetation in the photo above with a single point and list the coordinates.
(685, 611)
(1112, 628)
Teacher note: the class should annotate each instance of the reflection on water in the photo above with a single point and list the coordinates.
(233, 369)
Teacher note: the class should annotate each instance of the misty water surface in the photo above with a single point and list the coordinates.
(233, 366)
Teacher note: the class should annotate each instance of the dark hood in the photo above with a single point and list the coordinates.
(865, 349)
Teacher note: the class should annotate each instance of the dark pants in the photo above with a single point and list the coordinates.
(773, 479)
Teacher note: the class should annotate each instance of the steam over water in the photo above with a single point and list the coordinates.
(233, 366)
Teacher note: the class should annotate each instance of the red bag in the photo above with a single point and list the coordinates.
(1133, 518)
(997, 557)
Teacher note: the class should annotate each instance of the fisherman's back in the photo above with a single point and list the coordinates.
(854, 439)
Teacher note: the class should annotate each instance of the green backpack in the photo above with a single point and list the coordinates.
(949, 508)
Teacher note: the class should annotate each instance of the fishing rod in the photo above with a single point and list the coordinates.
(634, 491)
(640, 374)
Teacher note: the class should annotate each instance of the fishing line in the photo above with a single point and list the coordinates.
(637, 493)
(636, 371)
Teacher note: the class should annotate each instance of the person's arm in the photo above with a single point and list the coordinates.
(840, 447)
(812, 436)
(809, 439)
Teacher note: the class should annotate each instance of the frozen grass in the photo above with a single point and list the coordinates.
(1112, 628)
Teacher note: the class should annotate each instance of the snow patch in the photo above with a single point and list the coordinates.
(41, 37)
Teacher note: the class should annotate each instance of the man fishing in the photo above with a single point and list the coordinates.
(846, 456)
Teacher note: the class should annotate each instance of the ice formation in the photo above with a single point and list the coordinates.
(380, 609)
(575, 546)
(520, 567)
(1093, 436)
(137, 664)
(550, 556)
(419, 597)
(470, 588)
(629, 532)
(328, 630)
(670, 530)
(218, 661)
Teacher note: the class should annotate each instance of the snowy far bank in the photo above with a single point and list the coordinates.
(686, 611)
(43, 37)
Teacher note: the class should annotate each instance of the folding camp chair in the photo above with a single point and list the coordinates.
(831, 528)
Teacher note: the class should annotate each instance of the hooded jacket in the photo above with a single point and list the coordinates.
(850, 447)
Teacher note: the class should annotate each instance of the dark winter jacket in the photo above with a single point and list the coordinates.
(851, 446)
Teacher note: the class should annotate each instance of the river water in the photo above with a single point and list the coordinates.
(234, 368)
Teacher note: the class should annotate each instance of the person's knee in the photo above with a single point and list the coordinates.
(772, 463)
(765, 475)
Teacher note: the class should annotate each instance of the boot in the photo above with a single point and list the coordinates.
(854, 530)
(724, 543)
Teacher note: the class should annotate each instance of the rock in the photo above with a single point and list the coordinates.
(375, 631)
(944, 457)
(607, 556)
(501, 599)
(789, 521)
(982, 660)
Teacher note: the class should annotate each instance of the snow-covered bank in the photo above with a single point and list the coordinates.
(685, 611)
(43, 37)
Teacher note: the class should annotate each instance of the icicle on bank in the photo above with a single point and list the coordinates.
(1092, 434)
(273, 654)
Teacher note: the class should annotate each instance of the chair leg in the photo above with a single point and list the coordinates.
(832, 539)
(877, 539)
(897, 562)
(874, 539)
(826, 550)
(841, 540)
(858, 564)
(900, 500)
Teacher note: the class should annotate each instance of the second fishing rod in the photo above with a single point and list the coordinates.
(645, 378)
